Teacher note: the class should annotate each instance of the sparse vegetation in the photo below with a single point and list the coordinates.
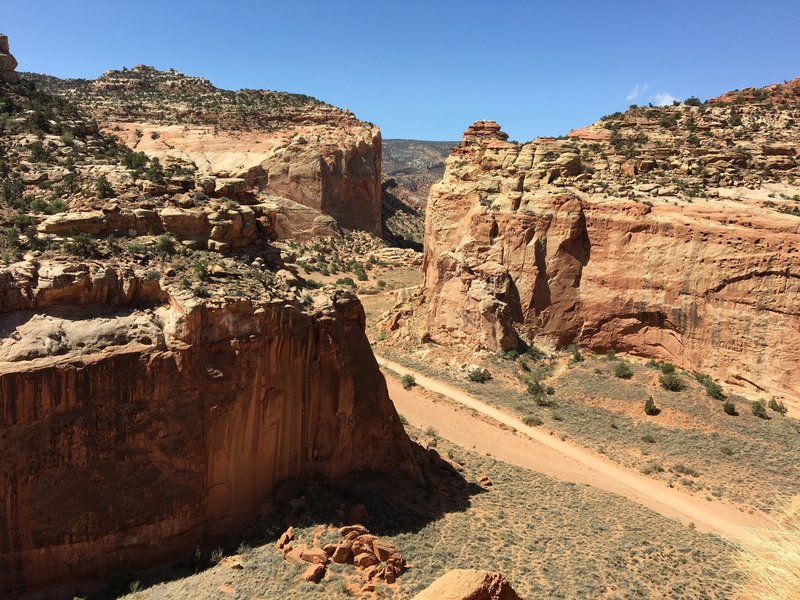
(672, 382)
(623, 370)
(408, 381)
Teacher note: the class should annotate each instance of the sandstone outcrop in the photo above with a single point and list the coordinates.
(241, 144)
(515, 250)
(139, 420)
(466, 584)
(8, 64)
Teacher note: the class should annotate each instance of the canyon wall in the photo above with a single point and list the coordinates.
(137, 420)
(711, 285)
(243, 145)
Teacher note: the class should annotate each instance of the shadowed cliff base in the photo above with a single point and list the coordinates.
(388, 504)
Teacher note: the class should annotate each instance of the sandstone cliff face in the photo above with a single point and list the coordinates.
(286, 145)
(137, 421)
(709, 285)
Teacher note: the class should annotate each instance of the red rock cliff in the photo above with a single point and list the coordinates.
(709, 285)
(136, 422)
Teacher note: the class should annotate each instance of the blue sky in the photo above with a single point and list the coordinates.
(427, 69)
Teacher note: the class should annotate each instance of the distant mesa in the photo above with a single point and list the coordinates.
(8, 64)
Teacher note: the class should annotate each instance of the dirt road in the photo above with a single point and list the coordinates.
(536, 449)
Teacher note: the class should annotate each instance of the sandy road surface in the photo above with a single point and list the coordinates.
(537, 450)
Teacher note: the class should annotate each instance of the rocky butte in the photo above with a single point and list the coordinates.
(309, 158)
(162, 367)
(662, 232)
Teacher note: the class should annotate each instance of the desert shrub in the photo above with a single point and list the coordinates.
(778, 407)
(165, 244)
(650, 408)
(532, 420)
(682, 469)
(478, 375)
(348, 281)
(575, 353)
(103, 188)
(758, 409)
(535, 353)
(671, 382)
(511, 355)
(408, 381)
(137, 248)
(713, 389)
(692, 101)
(729, 408)
(648, 439)
(623, 370)
(667, 368)
(81, 244)
(611, 355)
(361, 274)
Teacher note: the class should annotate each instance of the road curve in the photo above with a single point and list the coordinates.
(538, 450)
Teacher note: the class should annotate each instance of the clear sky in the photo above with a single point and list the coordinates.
(427, 69)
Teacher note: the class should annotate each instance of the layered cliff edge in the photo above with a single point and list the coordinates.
(312, 159)
(138, 420)
(651, 245)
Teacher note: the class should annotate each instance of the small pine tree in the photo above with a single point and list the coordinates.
(103, 188)
(729, 408)
(650, 408)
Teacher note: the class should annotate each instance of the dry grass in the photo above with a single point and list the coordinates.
(552, 540)
(691, 444)
(772, 565)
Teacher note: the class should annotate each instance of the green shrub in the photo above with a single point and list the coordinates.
(667, 368)
(165, 244)
(103, 188)
(348, 281)
(611, 355)
(692, 101)
(532, 420)
(671, 382)
(81, 244)
(778, 407)
(729, 408)
(361, 274)
(137, 248)
(623, 370)
(758, 409)
(535, 353)
(650, 408)
(713, 389)
(511, 355)
(408, 381)
(479, 375)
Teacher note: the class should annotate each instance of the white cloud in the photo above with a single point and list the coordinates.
(637, 91)
(663, 99)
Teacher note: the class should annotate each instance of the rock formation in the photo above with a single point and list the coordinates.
(538, 242)
(465, 584)
(244, 144)
(8, 64)
(139, 420)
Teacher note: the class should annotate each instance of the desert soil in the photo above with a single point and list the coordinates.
(473, 424)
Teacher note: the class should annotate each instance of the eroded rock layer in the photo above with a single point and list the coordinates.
(514, 249)
(138, 420)
(241, 144)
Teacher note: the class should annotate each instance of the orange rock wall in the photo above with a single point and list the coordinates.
(133, 455)
(711, 286)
